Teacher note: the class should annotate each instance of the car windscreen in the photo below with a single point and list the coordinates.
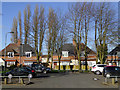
(113, 68)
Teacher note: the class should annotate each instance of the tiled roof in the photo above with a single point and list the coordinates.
(18, 49)
(70, 48)
(115, 50)
(72, 51)
(10, 48)
(27, 48)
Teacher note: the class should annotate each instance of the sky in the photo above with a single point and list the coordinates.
(10, 9)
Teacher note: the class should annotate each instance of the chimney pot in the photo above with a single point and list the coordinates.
(19, 42)
(74, 44)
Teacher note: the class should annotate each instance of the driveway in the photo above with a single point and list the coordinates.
(65, 80)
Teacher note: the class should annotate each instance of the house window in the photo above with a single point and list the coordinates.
(118, 54)
(28, 54)
(65, 53)
(10, 54)
(10, 63)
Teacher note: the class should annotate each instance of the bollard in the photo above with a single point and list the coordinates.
(29, 80)
(113, 81)
(5, 80)
(10, 77)
(106, 80)
(116, 79)
(9, 80)
(21, 81)
(29, 77)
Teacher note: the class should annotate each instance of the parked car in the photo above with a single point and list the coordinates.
(48, 69)
(111, 71)
(98, 68)
(21, 71)
(39, 68)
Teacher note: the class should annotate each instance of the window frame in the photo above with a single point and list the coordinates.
(65, 52)
(9, 54)
(28, 53)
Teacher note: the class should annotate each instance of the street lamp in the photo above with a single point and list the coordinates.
(5, 45)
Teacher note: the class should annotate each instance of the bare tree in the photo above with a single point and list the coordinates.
(42, 29)
(81, 15)
(27, 15)
(14, 29)
(35, 30)
(25, 26)
(61, 37)
(28, 24)
(76, 19)
(105, 29)
(53, 28)
(87, 18)
(20, 26)
(38, 30)
(49, 35)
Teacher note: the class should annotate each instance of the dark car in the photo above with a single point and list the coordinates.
(111, 71)
(39, 68)
(48, 69)
(21, 71)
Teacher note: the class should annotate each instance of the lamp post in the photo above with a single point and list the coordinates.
(5, 46)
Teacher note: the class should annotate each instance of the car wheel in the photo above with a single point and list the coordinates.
(98, 72)
(45, 71)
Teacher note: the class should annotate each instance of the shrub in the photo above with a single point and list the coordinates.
(12, 67)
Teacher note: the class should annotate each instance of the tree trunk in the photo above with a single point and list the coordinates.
(79, 59)
(85, 44)
(59, 62)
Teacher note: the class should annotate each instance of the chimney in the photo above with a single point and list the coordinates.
(19, 42)
(74, 44)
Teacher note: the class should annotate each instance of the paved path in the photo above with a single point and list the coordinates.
(68, 80)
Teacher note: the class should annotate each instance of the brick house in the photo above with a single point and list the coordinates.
(69, 56)
(18, 54)
(114, 56)
(25, 54)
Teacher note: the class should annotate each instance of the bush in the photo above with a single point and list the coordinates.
(54, 71)
(12, 67)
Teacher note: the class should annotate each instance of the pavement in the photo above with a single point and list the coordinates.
(65, 80)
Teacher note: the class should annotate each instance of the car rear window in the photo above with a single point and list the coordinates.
(101, 65)
(27, 68)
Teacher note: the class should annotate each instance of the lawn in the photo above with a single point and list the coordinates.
(4, 71)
